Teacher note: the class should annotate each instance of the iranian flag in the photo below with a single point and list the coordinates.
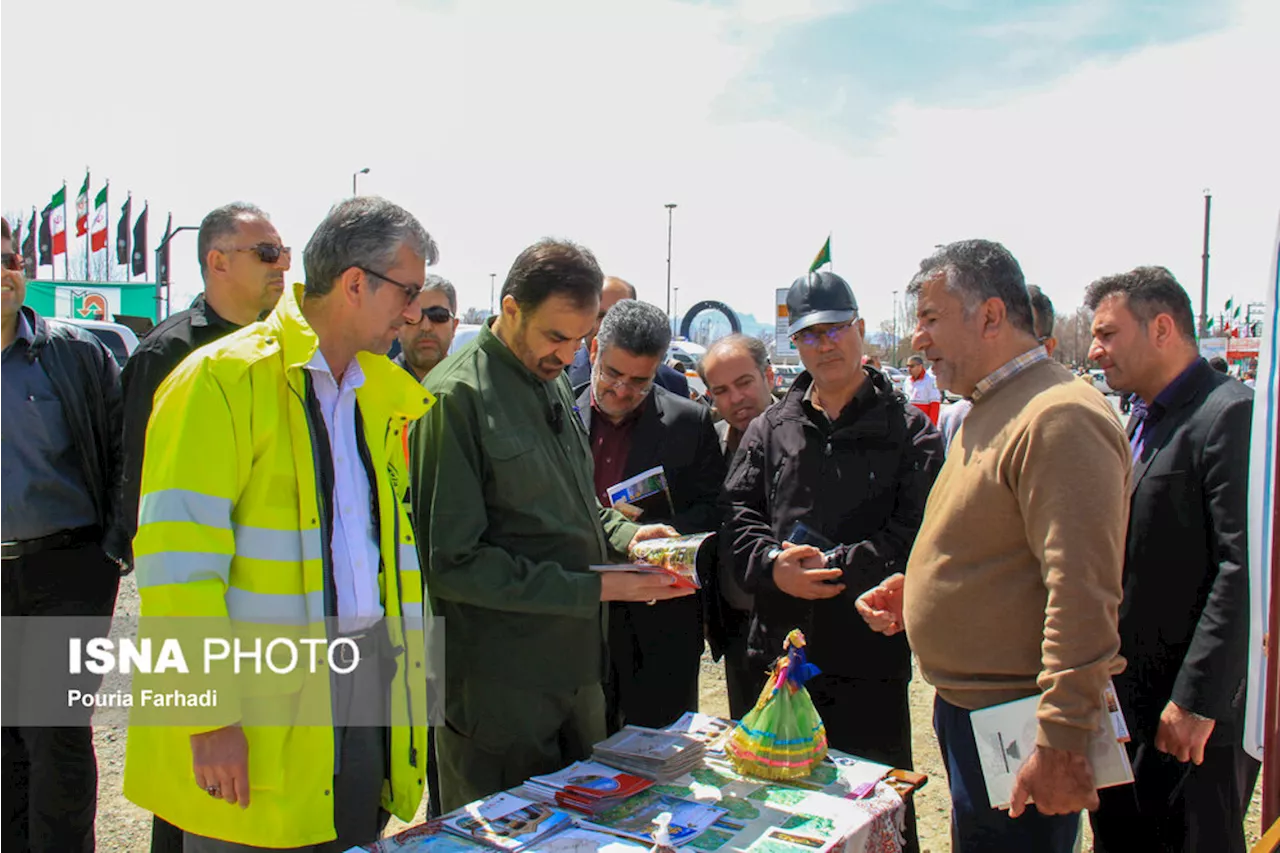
(98, 236)
(82, 208)
(58, 221)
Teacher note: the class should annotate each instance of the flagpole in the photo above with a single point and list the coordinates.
(66, 228)
(88, 237)
(106, 223)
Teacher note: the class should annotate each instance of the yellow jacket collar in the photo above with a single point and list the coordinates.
(385, 382)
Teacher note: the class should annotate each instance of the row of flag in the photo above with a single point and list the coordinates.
(44, 243)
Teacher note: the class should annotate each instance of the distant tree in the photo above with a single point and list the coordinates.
(1075, 335)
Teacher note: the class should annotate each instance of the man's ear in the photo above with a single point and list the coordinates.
(352, 283)
(593, 349)
(994, 315)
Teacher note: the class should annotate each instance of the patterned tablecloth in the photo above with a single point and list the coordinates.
(869, 825)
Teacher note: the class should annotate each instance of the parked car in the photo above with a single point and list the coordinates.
(464, 333)
(1099, 380)
(896, 376)
(784, 375)
(119, 338)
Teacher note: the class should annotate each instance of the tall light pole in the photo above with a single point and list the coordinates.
(894, 356)
(354, 177)
(1204, 272)
(493, 277)
(675, 304)
(670, 206)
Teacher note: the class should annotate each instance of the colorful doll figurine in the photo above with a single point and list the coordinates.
(782, 737)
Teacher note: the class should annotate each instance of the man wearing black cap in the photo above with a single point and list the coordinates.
(826, 494)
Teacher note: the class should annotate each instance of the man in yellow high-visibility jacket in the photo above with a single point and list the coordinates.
(272, 508)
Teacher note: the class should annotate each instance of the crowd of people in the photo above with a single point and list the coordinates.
(260, 461)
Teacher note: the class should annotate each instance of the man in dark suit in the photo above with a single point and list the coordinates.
(1184, 620)
(614, 291)
(654, 649)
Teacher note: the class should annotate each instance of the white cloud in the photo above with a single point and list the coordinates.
(498, 123)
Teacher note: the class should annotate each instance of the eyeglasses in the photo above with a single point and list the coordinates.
(12, 261)
(437, 314)
(410, 291)
(811, 338)
(615, 380)
(268, 253)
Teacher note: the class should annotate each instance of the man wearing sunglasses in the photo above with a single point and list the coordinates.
(242, 262)
(273, 507)
(826, 493)
(425, 340)
(634, 426)
(61, 556)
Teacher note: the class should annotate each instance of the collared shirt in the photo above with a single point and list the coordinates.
(45, 490)
(1007, 371)
(1146, 415)
(865, 396)
(354, 545)
(610, 445)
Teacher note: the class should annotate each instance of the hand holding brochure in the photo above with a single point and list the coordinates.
(676, 556)
(1006, 736)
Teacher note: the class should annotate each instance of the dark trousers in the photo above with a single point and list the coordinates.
(655, 652)
(872, 720)
(496, 735)
(50, 774)
(1173, 807)
(743, 680)
(975, 826)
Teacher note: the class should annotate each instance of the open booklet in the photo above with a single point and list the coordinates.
(1006, 736)
(647, 493)
(676, 556)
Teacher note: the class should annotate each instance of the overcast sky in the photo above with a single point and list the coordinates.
(1080, 134)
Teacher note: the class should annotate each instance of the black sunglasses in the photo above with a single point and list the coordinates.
(437, 314)
(268, 253)
(12, 260)
(410, 291)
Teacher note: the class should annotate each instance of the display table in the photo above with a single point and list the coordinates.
(754, 808)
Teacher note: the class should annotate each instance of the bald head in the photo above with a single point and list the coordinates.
(614, 291)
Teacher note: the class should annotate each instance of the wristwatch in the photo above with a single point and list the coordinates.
(771, 555)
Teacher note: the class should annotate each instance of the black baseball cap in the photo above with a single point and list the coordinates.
(822, 297)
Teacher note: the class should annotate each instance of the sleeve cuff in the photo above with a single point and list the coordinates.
(1063, 737)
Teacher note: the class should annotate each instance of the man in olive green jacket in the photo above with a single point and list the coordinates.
(505, 508)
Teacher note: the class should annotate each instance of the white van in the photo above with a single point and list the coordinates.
(119, 338)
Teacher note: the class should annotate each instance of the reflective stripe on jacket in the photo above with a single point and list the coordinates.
(231, 528)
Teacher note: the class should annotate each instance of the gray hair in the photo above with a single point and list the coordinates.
(366, 231)
(735, 342)
(223, 222)
(442, 284)
(637, 327)
(978, 270)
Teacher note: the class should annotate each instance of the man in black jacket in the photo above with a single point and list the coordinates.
(1184, 620)
(826, 494)
(654, 649)
(243, 262)
(61, 556)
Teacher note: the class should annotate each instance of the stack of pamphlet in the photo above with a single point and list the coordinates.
(712, 731)
(586, 786)
(507, 822)
(652, 753)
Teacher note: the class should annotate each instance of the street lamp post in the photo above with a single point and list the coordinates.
(675, 304)
(354, 177)
(670, 207)
(162, 276)
(493, 278)
(894, 357)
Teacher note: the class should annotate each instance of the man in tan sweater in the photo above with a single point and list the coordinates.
(1013, 586)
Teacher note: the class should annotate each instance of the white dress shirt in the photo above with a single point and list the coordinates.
(922, 390)
(354, 546)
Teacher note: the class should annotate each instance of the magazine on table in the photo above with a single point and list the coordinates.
(507, 822)
(635, 817)
(712, 731)
(586, 786)
(1006, 737)
(651, 753)
(676, 556)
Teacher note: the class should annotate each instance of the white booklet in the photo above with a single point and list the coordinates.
(1006, 736)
